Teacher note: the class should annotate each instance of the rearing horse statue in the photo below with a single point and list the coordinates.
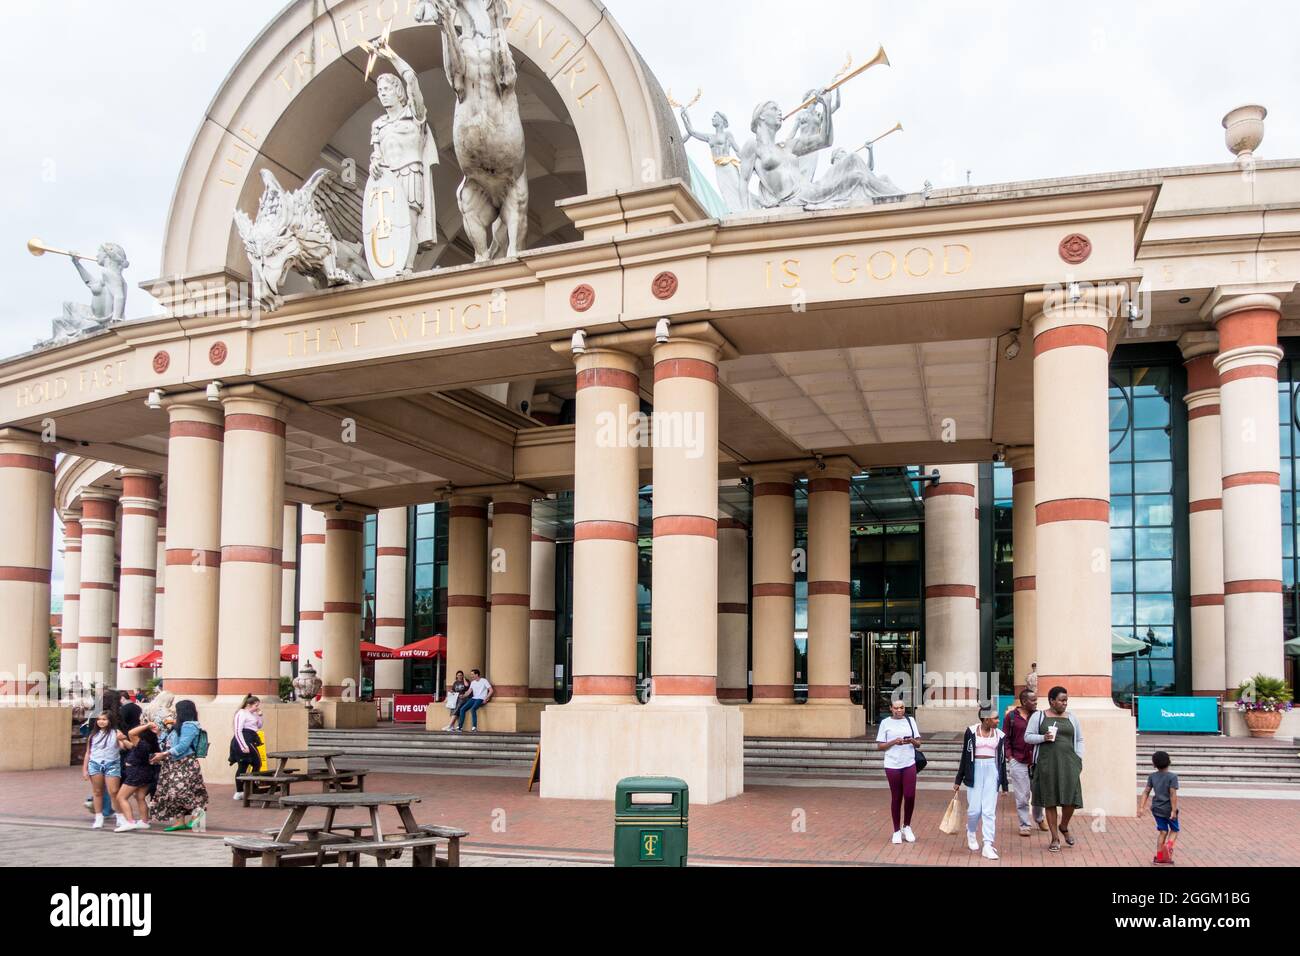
(487, 131)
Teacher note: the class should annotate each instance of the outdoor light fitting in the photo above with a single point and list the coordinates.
(663, 329)
(1074, 292)
(154, 400)
(1013, 347)
(214, 391)
(579, 342)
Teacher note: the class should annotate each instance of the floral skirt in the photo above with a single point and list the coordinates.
(180, 789)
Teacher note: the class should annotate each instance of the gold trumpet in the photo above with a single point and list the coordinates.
(38, 248)
(896, 128)
(876, 60)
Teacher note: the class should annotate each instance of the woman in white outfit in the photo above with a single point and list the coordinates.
(984, 772)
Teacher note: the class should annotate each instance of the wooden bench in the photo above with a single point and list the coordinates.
(275, 854)
(453, 838)
(268, 788)
(314, 832)
(424, 849)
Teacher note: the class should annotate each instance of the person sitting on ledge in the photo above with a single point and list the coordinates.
(480, 693)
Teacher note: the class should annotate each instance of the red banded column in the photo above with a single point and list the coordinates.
(773, 587)
(512, 526)
(26, 554)
(98, 524)
(541, 613)
(829, 665)
(467, 555)
(1205, 512)
(311, 588)
(733, 610)
(605, 504)
(952, 623)
(69, 639)
(289, 582)
(1252, 534)
(1024, 564)
(194, 451)
(252, 544)
(137, 589)
(390, 597)
(684, 595)
(160, 590)
(1072, 497)
(339, 665)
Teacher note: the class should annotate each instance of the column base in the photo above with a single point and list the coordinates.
(283, 725)
(587, 748)
(1234, 724)
(37, 736)
(939, 717)
(839, 721)
(1110, 756)
(348, 714)
(509, 717)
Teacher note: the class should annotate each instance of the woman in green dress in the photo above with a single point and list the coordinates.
(1057, 739)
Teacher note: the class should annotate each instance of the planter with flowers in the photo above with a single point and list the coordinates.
(1262, 701)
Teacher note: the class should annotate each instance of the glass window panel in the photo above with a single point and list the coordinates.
(1001, 481)
(870, 547)
(1288, 537)
(1155, 542)
(1120, 376)
(423, 577)
(1121, 610)
(1121, 511)
(903, 580)
(1121, 575)
(1283, 403)
(903, 547)
(1288, 571)
(1155, 609)
(1155, 576)
(425, 525)
(1121, 544)
(1285, 437)
(1118, 412)
(1150, 412)
(1002, 517)
(1121, 679)
(1151, 381)
(1153, 476)
(1123, 448)
(1151, 444)
(424, 551)
(1287, 473)
(1153, 677)
(1288, 510)
(871, 579)
(1162, 642)
(372, 525)
(1121, 475)
(1151, 510)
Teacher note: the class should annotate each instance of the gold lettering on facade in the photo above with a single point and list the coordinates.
(792, 277)
(837, 273)
(561, 48)
(967, 258)
(929, 262)
(464, 318)
(871, 266)
(537, 29)
(89, 380)
(579, 66)
(356, 332)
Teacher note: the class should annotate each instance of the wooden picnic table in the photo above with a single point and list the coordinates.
(271, 788)
(284, 756)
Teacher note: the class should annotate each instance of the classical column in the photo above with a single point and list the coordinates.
(139, 574)
(98, 522)
(829, 587)
(733, 610)
(340, 661)
(113, 656)
(252, 543)
(605, 510)
(952, 621)
(311, 588)
(160, 580)
(684, 588)
(510, 580)
(26, 556)
(193, 547)
(1205, 512)
(1024, 564)
(289, 582)
(1072, 508)
(71, 597)
(541, 614)
(1252, 538)
(773, 587)
(390, 598)
(467, 554)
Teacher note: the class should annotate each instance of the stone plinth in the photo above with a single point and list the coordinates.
(938, 717)
(348, 714)
(507, 718)
(840, 721)
(283, 725)
(36, 736)
(1109, 756)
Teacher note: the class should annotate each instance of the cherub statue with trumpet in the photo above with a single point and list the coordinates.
(107, 293)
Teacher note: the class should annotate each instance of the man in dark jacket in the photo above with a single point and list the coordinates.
(983, 770)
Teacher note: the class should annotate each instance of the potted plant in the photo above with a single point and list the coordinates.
(1262, 701)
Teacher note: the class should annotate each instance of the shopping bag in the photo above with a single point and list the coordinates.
(263, 766)
(952, 821)
(452, 698)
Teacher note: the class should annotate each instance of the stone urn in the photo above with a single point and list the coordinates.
(1263, 723)
(1244, 131)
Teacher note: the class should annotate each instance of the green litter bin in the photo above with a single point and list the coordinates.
(650, 818)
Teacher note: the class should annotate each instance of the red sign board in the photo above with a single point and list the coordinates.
(410, 708)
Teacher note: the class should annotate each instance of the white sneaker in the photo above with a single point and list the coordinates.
(971, 842)
(124, 826)
(238, 795)
(908, 835)
(200, 822)
(989, 853)
(98, 822)
(142, 824)
(897, 837)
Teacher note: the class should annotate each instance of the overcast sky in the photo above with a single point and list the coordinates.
(105, 97)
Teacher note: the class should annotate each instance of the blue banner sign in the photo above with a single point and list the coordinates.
(1177, 715)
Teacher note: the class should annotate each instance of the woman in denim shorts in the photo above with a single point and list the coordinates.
(103, 765)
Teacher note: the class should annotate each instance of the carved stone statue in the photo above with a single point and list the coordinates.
(107, 298)
(314, 230)
(726, 160)
(781, 177)
(808, 122)
(399, 202)
(487, 131)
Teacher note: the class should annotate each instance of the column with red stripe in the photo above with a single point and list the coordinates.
(98, 527)
(311, 588)
(605, 507)
(252, 543)
(1252, 534)
(467, 555)
(1205, 511)
(541, 613)
(339, 665)
(773, 587)
(1024, 564)
(733, 610)
(829, 589)
(193, 572)
(160, 580)
(69, 638)
(684, 591)
(137, 596)
(952, 625)
(390, 597)
(512, 527)
(26, 555)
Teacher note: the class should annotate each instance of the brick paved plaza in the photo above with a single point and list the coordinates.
(41, 814)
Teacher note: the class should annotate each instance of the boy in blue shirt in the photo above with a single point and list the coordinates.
(1162, 788)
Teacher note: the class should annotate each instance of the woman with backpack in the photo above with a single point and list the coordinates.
(901, 741)
(983, 770)
(181, 792)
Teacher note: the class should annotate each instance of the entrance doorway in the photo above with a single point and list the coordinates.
(888, 655)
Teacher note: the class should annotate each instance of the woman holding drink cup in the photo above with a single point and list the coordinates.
(1057, 740)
